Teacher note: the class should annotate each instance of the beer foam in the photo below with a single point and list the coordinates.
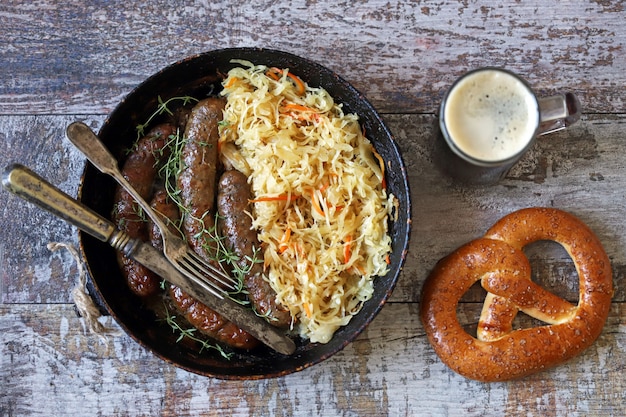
(490, 115)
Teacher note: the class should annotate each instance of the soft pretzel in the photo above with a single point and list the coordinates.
(498, 352)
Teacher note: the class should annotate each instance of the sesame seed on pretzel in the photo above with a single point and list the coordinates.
(498, 352)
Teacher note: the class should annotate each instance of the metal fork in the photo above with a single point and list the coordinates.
(175, 249)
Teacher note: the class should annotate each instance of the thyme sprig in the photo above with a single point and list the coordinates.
(214, 245)
(172, 168)
(163, 108)
(190, 333)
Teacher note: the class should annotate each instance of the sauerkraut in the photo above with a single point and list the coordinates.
(320, 205)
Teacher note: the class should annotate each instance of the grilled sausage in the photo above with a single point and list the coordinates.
(163, 204)
(198, 176)
(140, 169)
(209, 322)
(236, 227)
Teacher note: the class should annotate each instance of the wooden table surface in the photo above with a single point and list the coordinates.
(64, 61)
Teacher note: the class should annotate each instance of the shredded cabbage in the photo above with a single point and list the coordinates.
(319, 204)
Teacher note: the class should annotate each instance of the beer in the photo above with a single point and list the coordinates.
(490, 116)
(488, 120)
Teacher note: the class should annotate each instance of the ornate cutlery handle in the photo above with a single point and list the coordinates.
(26, 184)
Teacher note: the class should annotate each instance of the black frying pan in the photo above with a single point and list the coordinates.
(199, 76)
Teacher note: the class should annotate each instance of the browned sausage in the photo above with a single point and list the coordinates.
(198, 175)
(209, 322)
(164, 205)
(236, 228)
(140, 169)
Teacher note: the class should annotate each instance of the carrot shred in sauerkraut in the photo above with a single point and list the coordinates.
(323, 249)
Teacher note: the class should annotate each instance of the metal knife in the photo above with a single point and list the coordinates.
(26, 184)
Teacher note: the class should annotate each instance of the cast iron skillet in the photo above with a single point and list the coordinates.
(199, 76)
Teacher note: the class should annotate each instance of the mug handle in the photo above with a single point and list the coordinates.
(558, 112)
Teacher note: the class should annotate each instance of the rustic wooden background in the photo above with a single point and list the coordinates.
(65, 61)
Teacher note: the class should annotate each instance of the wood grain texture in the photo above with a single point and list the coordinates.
(50, 365)
(85, 56)
(30, 272)
(61, 62)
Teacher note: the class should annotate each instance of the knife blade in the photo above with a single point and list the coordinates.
(26, 184)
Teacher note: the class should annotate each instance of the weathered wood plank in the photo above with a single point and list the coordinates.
(48, 365)
(29, 271)
(85, 56)
(560, 171)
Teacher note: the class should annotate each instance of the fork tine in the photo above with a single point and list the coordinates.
(194, 262)
(204, 282)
